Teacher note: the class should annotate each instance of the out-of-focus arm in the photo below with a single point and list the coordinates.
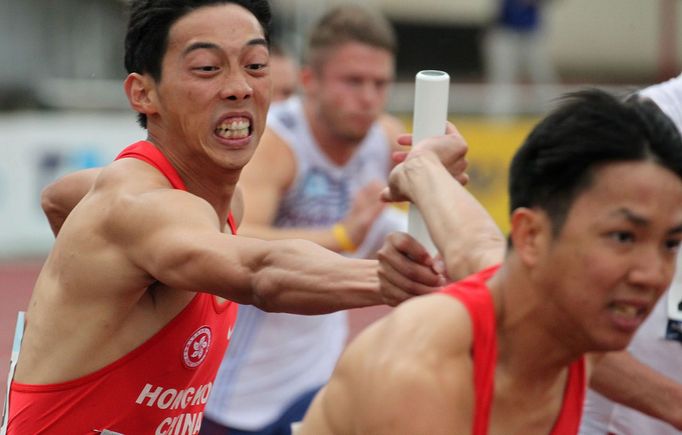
(59, 198)
(264, 182)
(462, 230)
(624, 379)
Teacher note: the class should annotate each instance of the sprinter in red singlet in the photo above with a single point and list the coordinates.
(596, 221)
(134, 307)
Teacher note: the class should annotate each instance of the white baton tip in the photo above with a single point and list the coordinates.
(432, 75)
(430, 104)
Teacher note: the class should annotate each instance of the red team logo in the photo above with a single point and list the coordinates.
(197, 347)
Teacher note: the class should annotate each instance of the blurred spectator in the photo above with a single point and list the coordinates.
(284, 73)
(515, 49)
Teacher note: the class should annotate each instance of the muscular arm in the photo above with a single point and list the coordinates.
(265, 180)
(175, 237)
(624, 379)
(464, 233)
(59, 198)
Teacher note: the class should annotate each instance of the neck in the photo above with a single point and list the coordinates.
(531, 345)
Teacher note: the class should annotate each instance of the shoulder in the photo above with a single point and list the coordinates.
(414, 362)
(274, 160)
(272, 148)
(422, 337)
(273, 140)
(131, 179)
(391, 126)
(286, 118)
(130, 173)
(442, 323)
(130, 196)
(130, 212)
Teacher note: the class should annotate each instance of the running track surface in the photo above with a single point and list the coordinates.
(17, 280)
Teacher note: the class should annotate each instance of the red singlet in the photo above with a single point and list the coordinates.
(474, 294)
(161, 387)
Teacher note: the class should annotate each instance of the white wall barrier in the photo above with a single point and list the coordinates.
(37, 148)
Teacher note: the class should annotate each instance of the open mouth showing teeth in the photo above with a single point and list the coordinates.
(627, 310)
(234, 128)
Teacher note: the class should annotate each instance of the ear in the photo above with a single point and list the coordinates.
(141, 92)
(531, 233)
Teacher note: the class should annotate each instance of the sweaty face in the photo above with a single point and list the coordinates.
(615, 254)
(214, 91)
(351, 88)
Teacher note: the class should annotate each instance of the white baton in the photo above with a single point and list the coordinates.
(429, 119)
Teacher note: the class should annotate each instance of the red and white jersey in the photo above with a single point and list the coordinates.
(161, 387)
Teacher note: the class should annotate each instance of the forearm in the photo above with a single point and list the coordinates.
(462, 230)
(623, 379)
(298, 276)
(294, 276)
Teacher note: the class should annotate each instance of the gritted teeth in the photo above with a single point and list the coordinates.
(234, 128)
(626, 310)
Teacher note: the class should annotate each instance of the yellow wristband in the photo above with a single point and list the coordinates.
(342, 238)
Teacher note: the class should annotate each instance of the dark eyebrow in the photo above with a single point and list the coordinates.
(212, 46)
(632, 217)
(641, 221)
(199, 46)
(259, 41)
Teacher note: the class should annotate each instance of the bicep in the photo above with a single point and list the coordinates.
(176, 238)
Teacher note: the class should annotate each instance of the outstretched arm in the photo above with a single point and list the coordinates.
(265, 181)
(60, 197)
(176, 238)
(464, 233)
(624, 379)
(278, 275)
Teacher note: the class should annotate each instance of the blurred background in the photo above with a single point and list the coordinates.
(62, 106)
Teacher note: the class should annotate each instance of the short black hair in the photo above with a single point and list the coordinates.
(590, 129)
(150, 22)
